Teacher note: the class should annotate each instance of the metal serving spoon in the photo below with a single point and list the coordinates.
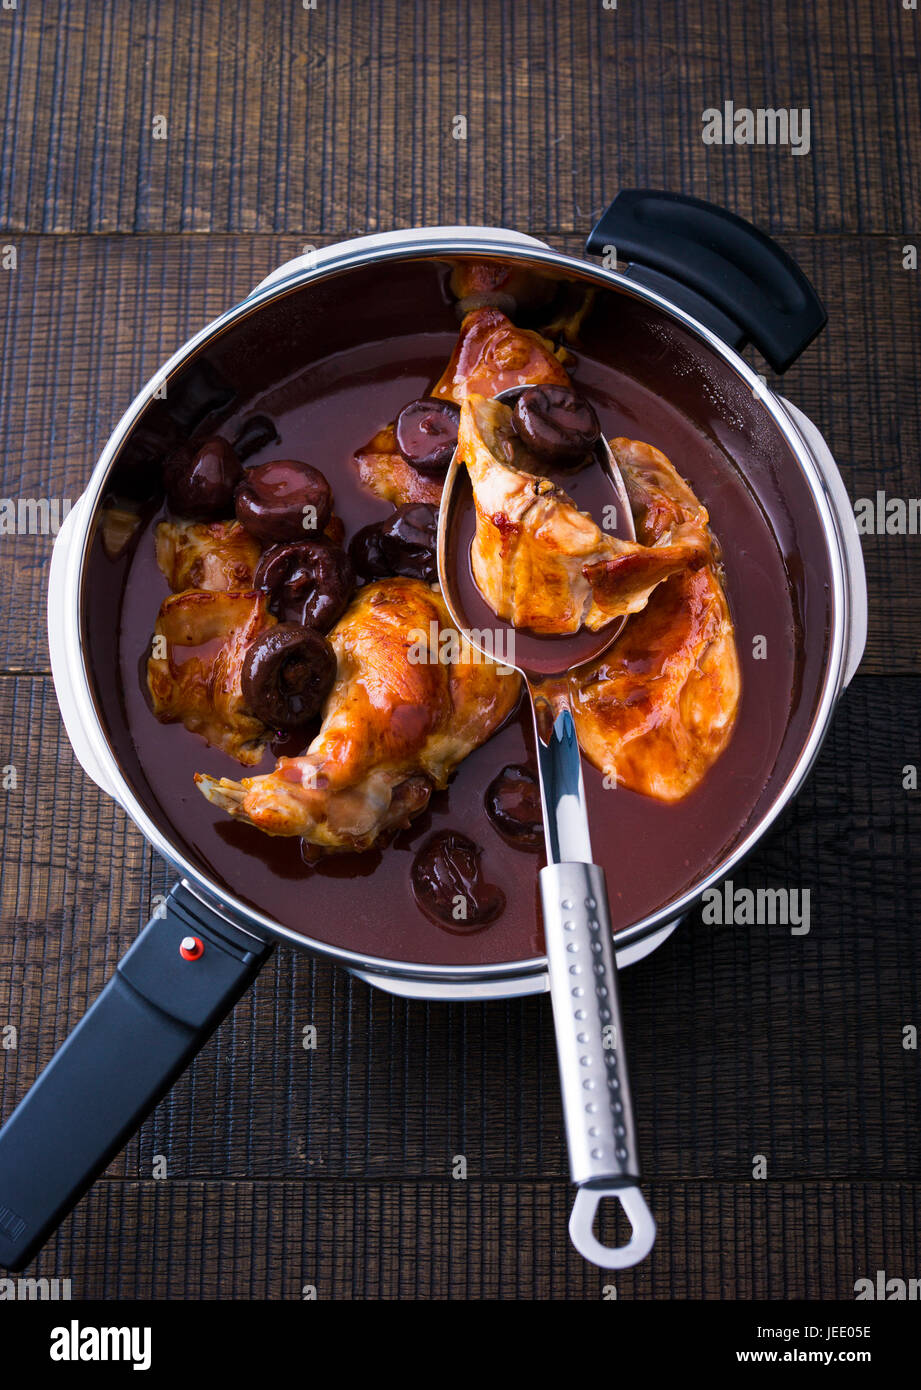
(597, 1107)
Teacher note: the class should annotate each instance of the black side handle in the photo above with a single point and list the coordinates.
(715, 266)
(174, 986)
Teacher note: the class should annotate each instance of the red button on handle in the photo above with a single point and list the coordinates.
(191, 947)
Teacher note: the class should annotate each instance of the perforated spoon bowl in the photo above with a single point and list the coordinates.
(597, 1106)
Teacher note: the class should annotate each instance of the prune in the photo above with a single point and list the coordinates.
(556, 424)
(201, 485)
(403, 544)
(308, 582)
(448, 883)
(513, 805)
(282, 500)
(367, 554)
(255, 433)
(427, 434)
(408, 540)
(288, 671)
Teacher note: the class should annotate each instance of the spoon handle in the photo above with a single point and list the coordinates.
(597, 1107)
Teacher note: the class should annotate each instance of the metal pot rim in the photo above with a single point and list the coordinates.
(440, 245)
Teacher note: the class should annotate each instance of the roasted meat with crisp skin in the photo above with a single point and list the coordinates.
(491, 354)
(395, 726)
(659, 708)
(384, 470)
(540, 562)
(194, 672)
(213, 555)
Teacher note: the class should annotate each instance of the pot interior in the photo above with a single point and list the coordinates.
(332, 361)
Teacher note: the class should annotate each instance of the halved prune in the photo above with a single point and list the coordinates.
(283, 500)
(556, 424)
(427, 434)
(288, 671)
(403, 544)
(308, 582)
(255, 433)
(513, 805)
(201, 485)
(448, 884)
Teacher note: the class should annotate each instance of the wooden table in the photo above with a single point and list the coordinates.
(332, 1168)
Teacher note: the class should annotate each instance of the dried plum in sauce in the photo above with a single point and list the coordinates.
(403, 544)
(201, 485)
(308, 582)
(409, 539)
(556, 424)
(283, 500)
(288, 671)
(449, 886)
(513, 805)
(366, 552)
(426, 433)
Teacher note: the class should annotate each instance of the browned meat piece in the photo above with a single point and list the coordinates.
(659, 708)
(213, 555)
(539, 561)
(492, 354)
(395, 726)
(194, 671)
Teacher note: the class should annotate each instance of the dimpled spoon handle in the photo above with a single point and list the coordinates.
(577, 925)
(597, 1108)
(583, 987)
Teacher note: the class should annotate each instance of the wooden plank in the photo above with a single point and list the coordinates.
(342, 118)
(743, 1040)
(472, 1240)
(89, 320)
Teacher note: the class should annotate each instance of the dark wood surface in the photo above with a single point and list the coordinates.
(332, 1168)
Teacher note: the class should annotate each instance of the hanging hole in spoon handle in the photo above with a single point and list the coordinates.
(642, 1226)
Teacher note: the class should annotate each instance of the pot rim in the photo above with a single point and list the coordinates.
(334, 263)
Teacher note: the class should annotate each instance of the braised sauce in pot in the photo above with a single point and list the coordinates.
(365, 902)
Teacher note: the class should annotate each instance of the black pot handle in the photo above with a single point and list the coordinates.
(715, 266)
(168, 994)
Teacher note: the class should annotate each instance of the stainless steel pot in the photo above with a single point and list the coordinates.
(236, 937)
